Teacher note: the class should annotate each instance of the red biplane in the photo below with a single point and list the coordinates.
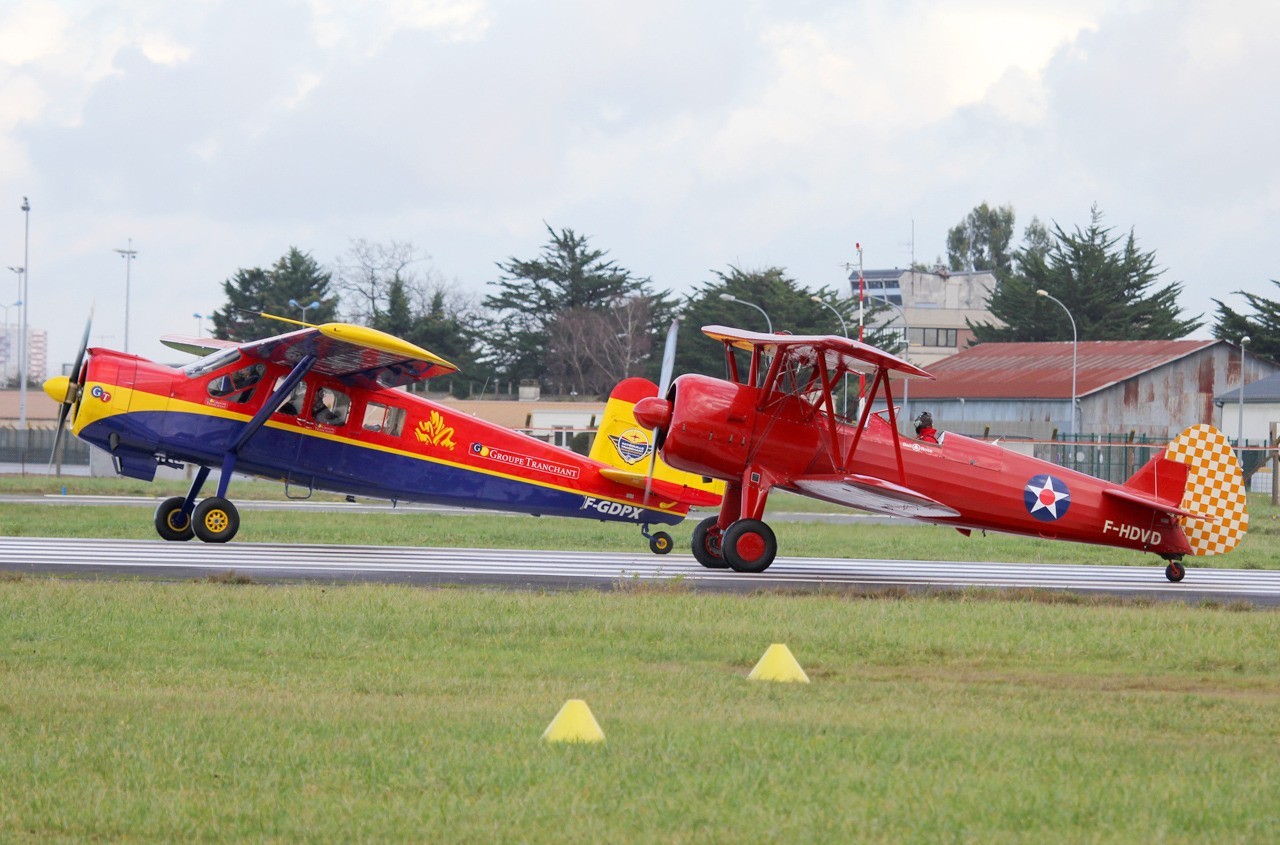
(318, 409)
(775, 426)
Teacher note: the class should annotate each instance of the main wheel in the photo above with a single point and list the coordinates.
(749, 546)
(706, 544)
(171, 522)
(215, 520)
(1175, 571)
(660, 543)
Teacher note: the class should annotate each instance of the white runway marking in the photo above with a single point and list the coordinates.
(155, 558)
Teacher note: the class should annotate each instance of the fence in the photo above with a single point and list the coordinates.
(1117, 457)
(34, 451)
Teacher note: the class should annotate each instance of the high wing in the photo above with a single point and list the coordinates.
(840, 352)
(355, 355)
(196, 345)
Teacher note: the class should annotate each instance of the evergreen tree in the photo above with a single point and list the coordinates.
(1262, 327)
(568, 280)
(296, 276)
(1105, 282)
(981, 240)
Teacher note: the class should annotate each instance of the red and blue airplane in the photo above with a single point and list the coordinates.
(318, 408)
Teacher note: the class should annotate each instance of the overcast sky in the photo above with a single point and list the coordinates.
(680, 135)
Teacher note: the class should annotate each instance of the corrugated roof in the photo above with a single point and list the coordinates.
(1043, 370)
(1262, 390)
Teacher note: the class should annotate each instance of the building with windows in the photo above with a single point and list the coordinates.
(11, 353)
(933, 309)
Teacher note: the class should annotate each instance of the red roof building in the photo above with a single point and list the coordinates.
(1150, 387)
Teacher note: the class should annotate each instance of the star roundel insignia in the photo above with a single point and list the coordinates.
(1047, 498)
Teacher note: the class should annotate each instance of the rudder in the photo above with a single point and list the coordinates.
(1215, 488)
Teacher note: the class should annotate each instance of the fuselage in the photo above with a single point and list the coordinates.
(386, 444)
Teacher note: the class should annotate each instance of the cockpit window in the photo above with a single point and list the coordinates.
(237, 386)
(295, 403)
(383, 418)
(330, 406)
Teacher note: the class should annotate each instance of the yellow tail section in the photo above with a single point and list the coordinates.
(1215, 488)
(623, 443)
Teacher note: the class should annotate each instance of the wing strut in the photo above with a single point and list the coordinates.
(881, 378)
(273, 403)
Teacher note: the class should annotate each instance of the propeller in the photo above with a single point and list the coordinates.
(66, 392)
(664, 382)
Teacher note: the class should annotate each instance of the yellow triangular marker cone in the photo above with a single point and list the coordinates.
(778, 664)
(574, 723)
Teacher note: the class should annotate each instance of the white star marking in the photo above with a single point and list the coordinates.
(1047, 498)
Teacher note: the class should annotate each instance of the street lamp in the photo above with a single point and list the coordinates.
(1244, 341)
(845, 329)
(199, 317)
(128, 256)
(1075, 349)
(305, 308)
(22, 330)
(728, 297)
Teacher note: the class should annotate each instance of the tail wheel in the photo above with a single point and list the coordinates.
(215, 520)
(749, 546)
(660, 543)
(1175, 571)
(172, 523)
(706, 544)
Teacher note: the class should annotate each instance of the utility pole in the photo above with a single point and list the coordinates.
(128, 255)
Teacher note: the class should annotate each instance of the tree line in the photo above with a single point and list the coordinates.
(577, 322)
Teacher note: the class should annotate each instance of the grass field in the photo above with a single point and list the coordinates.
(143, 712)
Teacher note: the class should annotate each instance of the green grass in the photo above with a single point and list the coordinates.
(176, 712)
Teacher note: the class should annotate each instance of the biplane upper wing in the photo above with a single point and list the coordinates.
(869, 493)
(853, 355)
(355, 355)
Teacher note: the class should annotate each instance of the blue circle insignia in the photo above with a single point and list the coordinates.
(1047, 498)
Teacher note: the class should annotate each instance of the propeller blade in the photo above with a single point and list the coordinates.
(72, 396)
(664, 382)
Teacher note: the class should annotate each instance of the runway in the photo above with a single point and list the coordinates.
(263, 562)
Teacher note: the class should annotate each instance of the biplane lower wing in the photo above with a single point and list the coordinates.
(871, 494)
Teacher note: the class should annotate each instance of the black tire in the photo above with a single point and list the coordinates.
(706, 544)
(749, 546)
(1175, 571)
(660, 543)
(171, 522)
(215, 520)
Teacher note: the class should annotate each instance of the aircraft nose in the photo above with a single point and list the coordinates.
(58, 388)
(653, 412)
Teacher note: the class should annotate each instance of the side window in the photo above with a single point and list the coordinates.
(383, 418)
(295, 403)
(330, 406)
(237, 386)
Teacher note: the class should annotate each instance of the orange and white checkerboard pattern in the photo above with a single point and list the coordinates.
(1215, 488)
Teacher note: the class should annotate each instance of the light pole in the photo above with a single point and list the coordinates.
(1244, 341)
(22, 330)
(199, 317)
(305, 308)
(4, 378)
(844, 328)
(728, 297)
(1075, 349)
(128, 256)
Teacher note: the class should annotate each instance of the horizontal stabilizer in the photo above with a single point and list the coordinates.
(871, 494)
(665, 490)
(1152, 502)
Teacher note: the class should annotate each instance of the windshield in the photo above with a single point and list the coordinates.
(209, 363)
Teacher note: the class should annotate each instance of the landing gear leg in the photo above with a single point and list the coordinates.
(173, 517)
(1175, 571)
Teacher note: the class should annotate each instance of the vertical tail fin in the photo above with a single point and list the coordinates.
(1214, 487)
(623, 443)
